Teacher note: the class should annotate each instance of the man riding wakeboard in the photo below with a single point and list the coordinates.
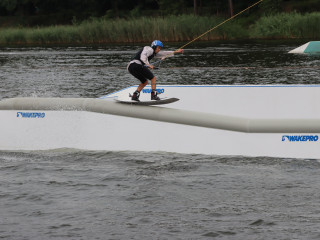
(139, 67)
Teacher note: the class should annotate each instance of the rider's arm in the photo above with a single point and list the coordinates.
(166, 54)
(147, 52)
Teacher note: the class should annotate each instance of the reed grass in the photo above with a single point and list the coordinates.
(284, 25)
(144, 29)
(170, 28)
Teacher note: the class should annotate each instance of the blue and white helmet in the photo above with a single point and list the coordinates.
(156, 43)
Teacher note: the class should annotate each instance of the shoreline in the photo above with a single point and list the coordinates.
(183, 28)
(267, 41)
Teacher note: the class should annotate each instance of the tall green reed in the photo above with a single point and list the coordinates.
(287, 25)
(144, 29)
(169, 28)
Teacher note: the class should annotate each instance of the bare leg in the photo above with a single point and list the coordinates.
(154, 89)
(154, 83)
(141, 86)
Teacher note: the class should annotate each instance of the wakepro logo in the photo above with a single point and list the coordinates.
(300, 138)
(31, 115)
(161, 90)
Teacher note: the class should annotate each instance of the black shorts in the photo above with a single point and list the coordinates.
(141, 72)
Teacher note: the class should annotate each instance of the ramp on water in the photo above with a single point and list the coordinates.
(169, 115)
(310, 47)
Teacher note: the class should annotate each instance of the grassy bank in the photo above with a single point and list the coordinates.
(170, 28)
(288, 25)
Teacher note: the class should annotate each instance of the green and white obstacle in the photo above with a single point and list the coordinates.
(310, 47)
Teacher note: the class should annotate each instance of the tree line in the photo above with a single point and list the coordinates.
(48, 12)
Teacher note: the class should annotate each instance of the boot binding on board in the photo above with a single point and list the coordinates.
(154, 96)
(135, 96)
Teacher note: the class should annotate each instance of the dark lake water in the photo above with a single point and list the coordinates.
(95, 71)
(71, 194)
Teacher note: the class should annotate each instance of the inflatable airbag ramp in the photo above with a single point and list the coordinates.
(221, 120)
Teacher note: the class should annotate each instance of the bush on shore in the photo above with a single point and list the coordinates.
(288, 25)
(171, 28)
(144, 29)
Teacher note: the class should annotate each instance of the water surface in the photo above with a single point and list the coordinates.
(95, 71)
(72, 194)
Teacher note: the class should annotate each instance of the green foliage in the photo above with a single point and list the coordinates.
(292, 25)
(171, 7)
(61, 12)
(171, 28)
(302, 6)
(13, 36)
(271, 7)
(144, 29)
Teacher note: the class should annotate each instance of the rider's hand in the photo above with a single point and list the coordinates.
(179, 51)
(151, 66)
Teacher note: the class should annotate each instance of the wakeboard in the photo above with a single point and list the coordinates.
(149, 103)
